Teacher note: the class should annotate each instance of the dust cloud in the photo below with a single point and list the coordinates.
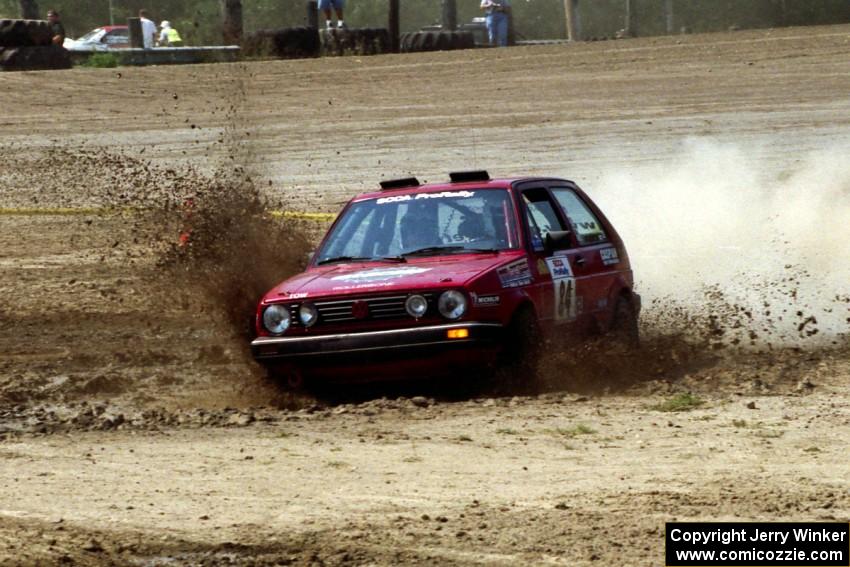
(736, 247)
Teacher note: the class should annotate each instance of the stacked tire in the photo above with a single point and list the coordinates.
(26, 45)
(412, 42)
(359, 41)
(284, 43)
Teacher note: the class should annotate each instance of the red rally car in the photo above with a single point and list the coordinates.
(420, 280)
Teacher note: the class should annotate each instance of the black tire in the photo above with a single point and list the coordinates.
(39, 32)
(443, 41)
(467, 40)
(35, 58)
(284, 43)
(435, 41)
(624, 325)
(519, 360)
(382, 40)
(429, 42)
(25, 33)
(404, 42)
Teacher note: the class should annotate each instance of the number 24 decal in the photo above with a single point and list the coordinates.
(564, 287)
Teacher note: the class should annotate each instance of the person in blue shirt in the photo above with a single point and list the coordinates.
(497, 21)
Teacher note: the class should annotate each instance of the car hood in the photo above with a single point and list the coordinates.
(369, 277)
(76, 45)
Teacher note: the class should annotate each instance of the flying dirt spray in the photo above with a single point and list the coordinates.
(740, 262)
(720, 234)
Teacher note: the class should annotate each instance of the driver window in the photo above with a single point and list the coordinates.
(541, 216)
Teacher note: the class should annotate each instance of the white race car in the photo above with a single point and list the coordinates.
(105, 38)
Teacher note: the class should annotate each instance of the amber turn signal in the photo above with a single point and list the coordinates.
(457, 333)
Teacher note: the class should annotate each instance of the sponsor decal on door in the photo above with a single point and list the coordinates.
(564, 286)
(515, 274)
(609, 256)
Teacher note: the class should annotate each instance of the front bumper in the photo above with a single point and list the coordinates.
(393, 343)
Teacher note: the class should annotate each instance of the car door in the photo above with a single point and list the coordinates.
(117, 39)
(595, 258)
(556, 290)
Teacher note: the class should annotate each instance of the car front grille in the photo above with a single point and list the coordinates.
(380, 307)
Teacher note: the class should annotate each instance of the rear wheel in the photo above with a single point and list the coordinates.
(624, 326)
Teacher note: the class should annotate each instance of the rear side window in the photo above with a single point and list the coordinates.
(587, 228)
(117, 37)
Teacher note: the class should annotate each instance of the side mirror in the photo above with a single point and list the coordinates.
(557, 240)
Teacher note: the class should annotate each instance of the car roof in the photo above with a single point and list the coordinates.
(502, 183)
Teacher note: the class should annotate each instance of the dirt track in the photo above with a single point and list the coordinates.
(136, 429)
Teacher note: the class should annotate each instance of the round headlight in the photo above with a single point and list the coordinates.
(308, 314)
(452, 304)
(276, 319)
(416, 306)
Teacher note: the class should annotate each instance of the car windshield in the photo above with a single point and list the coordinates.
(92, 35)
(427, 223)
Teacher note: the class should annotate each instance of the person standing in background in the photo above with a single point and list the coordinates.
(148, 30)
(57, 30)
(338, 6)
(497, 21)
(169, 36)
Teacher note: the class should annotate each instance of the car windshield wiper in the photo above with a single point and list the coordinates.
(450, 249)
(432, 250)
(361, 259)
(343, 259)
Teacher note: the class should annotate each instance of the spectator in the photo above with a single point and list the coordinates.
(169, 36)
(57, 30)
(497, 21)
(337, 5)
(148, 30)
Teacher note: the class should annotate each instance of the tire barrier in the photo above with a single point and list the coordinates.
(34, 58)
(412, 42)
(358, 41)
(25, 33)
(26, 45)
(284, 43)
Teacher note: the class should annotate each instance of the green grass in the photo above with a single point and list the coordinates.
(101, 61)
(679, 402)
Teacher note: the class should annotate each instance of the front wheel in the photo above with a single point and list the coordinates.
(518, 366)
